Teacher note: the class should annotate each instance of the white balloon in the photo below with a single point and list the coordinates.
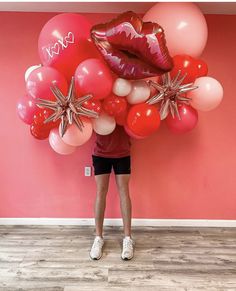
(140, 92)
(122, 87)
(104, 124)
(30, 70)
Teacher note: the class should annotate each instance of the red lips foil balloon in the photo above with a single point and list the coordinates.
(133, 49)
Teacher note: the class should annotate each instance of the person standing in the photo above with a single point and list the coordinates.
(112, 152)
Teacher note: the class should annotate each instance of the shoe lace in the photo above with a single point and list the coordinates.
(127, 243)
(97, 243)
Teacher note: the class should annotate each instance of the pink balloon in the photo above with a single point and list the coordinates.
(63, 42)
(26, 108)
(184, 25)
(188, 121)
(92, 76)
(208, 95)
(39, 82)
(140, 92)
(75, 137)
(104, 124)
(58, 144)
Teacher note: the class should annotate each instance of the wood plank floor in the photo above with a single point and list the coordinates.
(55, 258)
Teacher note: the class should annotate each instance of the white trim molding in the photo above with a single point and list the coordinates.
(118, 222)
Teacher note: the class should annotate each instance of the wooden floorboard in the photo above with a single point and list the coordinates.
(56, 258)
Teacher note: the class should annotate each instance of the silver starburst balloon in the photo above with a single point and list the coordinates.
(170, 94)
(67, 108)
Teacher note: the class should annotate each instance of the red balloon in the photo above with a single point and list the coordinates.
(187, 65)
(26, 109)
(93, 104)
(133, 49)
(121, 118)
(41, 116)
(143, 119)
(39, 82)
(93, 77)
(114, 105)
(39, 132)
(189, 118)
(131, 134)
(202, 68)
(63, 42)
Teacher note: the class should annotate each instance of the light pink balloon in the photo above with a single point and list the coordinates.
(58, 144)
(122, 87)
(140, 92)
(184, 25)
(30, 70)
(208, 95)
(104, 124)
(75, 137)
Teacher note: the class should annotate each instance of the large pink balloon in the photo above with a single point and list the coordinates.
(208, 95)
(184, 26)
(75, 137)
(189, 119)
(40, 80)
(58, 144)
(63, 42)
(93, 76)
(26, 108)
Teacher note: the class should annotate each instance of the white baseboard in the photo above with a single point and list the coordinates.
(118, 222)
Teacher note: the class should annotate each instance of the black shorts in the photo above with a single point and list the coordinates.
(104, 165)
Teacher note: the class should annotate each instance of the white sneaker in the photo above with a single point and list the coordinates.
(128, 248)
(96, 250)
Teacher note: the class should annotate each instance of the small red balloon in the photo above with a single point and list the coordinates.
(114, 105)
(39, 132)
(187, 65)
(188, 119)
(143, 119)
(202, 68)
(41, 116)
(93, 104)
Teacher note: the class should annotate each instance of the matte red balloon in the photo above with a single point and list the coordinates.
(41, 116)
(114, 105)
(93, 104)
(63, 42)
(39, 132)
(143, 119)
(26, 108)
(189, 119)
(93, 77)
(122, 118)
(40, 80)
(187, 65)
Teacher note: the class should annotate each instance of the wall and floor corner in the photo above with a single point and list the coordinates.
(189, 177)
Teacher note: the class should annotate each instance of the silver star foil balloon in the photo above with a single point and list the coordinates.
(67, 108)
(170, 94)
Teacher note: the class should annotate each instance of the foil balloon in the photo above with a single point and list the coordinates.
(133, 49)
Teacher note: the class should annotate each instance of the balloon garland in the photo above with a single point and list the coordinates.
(133, 72)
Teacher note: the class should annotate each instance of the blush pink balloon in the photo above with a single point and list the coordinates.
(26, 108)
(208, 95)
(75, 137)
(58, 144)
(63, 42)
(104, 124)
(184, 25)
(39, 82)
(93, 77)
(189, 119)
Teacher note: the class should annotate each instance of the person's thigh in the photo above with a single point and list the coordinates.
(122, 166)
(102, 183)
(101, 165)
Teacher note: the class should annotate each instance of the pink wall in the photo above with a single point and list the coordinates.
(189, 176)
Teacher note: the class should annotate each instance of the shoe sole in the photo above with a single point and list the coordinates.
(127, 259)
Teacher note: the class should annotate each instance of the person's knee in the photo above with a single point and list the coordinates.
(102, 192)
(123, 191)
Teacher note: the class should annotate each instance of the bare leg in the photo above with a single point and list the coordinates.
(102, 182)
(122, 182)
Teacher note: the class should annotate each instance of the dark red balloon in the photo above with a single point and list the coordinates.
(189, 119)
(93, 104)
(202, 68)
(114, 105)
(143, 119)
(41, 116)
(39, 132)
(133, 49)
(187, 65)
